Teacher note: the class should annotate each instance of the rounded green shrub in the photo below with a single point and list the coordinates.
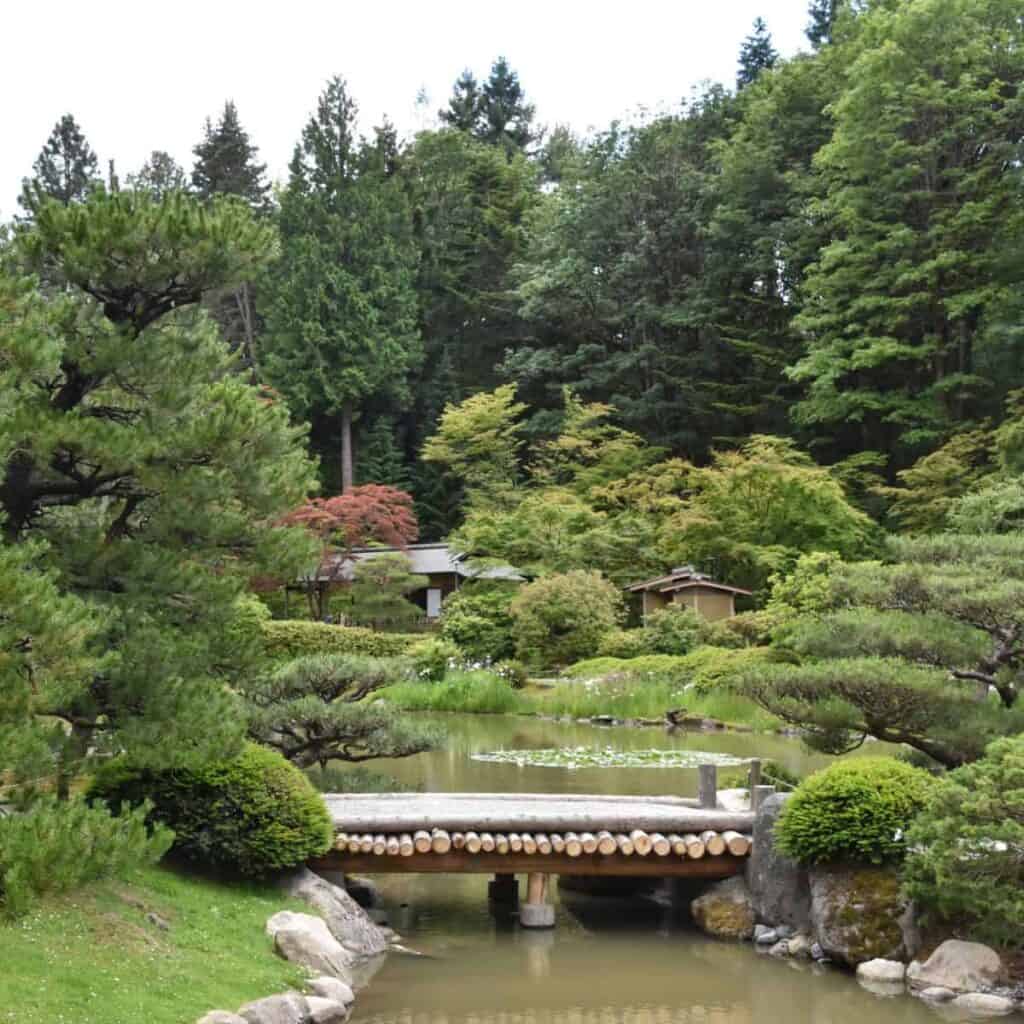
(431, 657)
(623, 643)
(255, 813)
(856, 810)
(561, 618)
(673, 629)
(478, 621)
(964, 863)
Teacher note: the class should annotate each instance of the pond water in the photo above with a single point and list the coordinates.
(607, 961)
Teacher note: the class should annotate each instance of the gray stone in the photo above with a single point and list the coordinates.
(332, 988)
(817, 953)
(781, 948)
(882, 970)
(765, 936)
(859, 914)
(305, 940)
(347, 921)
(288, 1008)
(326, 1011)
(779, 889)
(800, 945)
(221, 1017)
(983, 1004)
(936, 994)
(959, 966)
(785, 931)
(536, 915)
(725, 910)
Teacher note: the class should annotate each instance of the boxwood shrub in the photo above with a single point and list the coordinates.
(856, 810)
(293, 638)
(255, 813)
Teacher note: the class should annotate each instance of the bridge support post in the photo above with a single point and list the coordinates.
(536, 912)
(504, 890)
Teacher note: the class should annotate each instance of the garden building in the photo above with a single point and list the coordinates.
(686, 586)
(444, 568)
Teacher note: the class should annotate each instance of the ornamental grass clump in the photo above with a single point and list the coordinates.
(857, 810)
(255, 813)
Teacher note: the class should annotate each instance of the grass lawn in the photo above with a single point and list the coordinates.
(91, 957)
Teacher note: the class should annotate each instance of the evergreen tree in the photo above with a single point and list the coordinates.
(506, 117)
(822, 15)
(137, 480)
(923, 190)
(340, 307)
(66, 168)
(464, 107)
(226, 162)
(756, 54)
(160, 174)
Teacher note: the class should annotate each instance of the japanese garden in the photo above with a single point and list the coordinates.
(500, 572)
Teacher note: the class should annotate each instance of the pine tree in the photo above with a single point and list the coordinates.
(160, 174)
(507, 119)
(137, 479)
(66, 168)
(340, 307)
(464, 107)
(756, 54)
(822, 15)
(226, 162)
(226, 165)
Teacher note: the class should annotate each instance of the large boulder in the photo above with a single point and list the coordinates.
(326, 1011)
(287, 1008)
(305, 940)
(983, 1004)
(957, 966)
(725, 910)
(332, 988)
(779, 887)
(347, 921)
(221, 1017)
(858, 914)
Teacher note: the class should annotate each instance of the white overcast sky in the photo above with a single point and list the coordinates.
(141, 75)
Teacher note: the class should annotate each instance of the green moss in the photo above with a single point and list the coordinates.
(868, 916)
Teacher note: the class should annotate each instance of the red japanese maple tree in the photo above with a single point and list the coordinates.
(366, 514)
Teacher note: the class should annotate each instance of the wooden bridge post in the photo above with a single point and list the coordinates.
(754, 778)
(536, 912)
(707, 785)
(504, 890)
(759, 794)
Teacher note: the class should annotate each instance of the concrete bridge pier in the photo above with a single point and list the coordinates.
(536, 912)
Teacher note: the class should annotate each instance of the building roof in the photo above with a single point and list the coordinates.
(427, 560)
(685, 577)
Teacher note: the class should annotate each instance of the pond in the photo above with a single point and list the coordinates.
(607, 961)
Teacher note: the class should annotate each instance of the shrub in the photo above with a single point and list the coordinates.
(623, 643)
(559, 619)
(966, 849)
(856, 810)
(473, 692)
(747, 629)
(478, 621)
(709, 668)
(294, 638)
(54, 846)
(648, 665)
(430, 658)
(513, 672)
(255, 813)
(671, 630)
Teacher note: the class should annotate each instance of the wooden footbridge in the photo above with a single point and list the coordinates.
(541, 834)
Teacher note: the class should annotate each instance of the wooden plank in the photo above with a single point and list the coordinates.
(459, 862)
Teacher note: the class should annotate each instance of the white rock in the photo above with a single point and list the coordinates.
(960, 966)
(288, 1008)
(881, 970)
(936, 994)
(221, 1017)
(326, 1011)
(765, 936)
(983, 1004)
(332, 988)
(799, 945)
(305, 940)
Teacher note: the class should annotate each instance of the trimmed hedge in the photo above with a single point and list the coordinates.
(294, 638)
(705, 667)
(857, 810)
(255, 813)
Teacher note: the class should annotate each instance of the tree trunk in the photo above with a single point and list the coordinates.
(346, 448)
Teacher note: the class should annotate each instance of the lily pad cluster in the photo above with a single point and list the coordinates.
(607, 757)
